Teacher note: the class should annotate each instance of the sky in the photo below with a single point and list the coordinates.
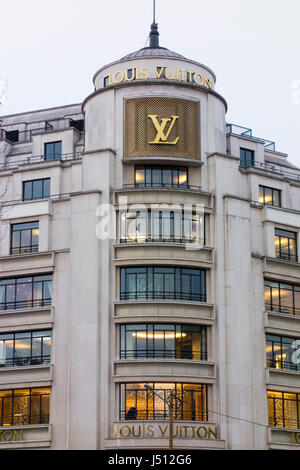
(50, 50)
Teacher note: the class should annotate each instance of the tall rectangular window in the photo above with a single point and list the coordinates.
(24, 238)
(269, 196)
(25, 292)
(25, 348)
(246, 158)
(36, 189)
(164, 283)
(23, 407)
(285, 245)
(137, 402)
(53, 150)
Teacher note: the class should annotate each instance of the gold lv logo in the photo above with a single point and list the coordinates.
(163, 133)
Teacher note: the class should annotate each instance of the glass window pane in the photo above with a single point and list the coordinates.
(46, 188)
(37, 189)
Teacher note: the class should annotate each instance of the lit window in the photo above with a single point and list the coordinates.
(282, 297)
(283, 410)
(269, 196)
(285, 245)
(190, 401)
(24, 406)
(281, 352)
(24, 238)
(163, 283)
(143, 341)
(161, 177)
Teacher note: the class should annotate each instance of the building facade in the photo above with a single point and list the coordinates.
(146, 241)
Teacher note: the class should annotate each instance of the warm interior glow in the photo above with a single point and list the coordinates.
(182, 179)
(158, 335)
(35, 232)
(139, 177)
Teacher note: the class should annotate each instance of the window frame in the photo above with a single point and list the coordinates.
(149, 176)
(244, 163)
(45, 189)
(29, 418)
(291, 255)
(274, 190)
(34, 283)
(32, 248)
(55, 155)
(31, 359)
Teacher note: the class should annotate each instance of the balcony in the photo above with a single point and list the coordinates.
(273, 169)
(22, 437)
(32, 375)
(18, 136)
(14, 162)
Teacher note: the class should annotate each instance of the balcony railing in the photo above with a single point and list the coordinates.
(16, 136)
(162, 186)
(18, 250)
(18, 304)
(162, 354)
(141, 239)
(159, 295)
(282, 364)
(150, 414)
(292, 310)
(286, 256)
(275, 169)
(37, 159)
(247, 132)
(25, 361)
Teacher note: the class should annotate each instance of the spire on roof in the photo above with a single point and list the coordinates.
(154, 34)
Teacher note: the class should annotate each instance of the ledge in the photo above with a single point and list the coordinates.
(19, 437)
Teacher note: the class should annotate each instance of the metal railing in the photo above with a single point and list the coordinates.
(271, 307)
(282, 364)
(141, 239)
(160, 295)
(162, 186)
(273, 169)
(247, 132)
(25, 361)
(37, 159)
(18, 250)
(162, 354)
(15, 305)
(48, 126)
(286, 256)
(179, 415)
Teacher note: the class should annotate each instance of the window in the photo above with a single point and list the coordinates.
(53, 150)
(282, 297)
(282, 352)
(25, 349)
(77, 124)
(36, 189)
(284, 410)
(190, 401)
(163, 283)
(143, 341)
(246, 158)
(24, 238)
(269, 196)
(285, 245)
(25, 292)
(161, 177)
(178, 226)
(24, 406)
(12, 136)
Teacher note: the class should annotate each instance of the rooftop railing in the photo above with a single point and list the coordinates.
(247, 132)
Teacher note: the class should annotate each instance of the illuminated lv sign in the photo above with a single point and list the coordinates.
(163, 134)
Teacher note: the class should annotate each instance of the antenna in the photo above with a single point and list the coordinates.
(154, 34)
(154, 12)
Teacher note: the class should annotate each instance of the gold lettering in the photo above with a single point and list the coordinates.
(193, 430)
(173, 74)
(144, 73)
(201, 78)
(116, 432)
(119, 80)
(296, 438)
(163, 432)
(205, 432)
(122, 429)
(150, 430)
(182, 74)
(208, 82)
(7, 435)
(19, 435)
(129, 79)
(160, 73)
(162, 136)
(133, 431)
(212, 432)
